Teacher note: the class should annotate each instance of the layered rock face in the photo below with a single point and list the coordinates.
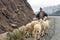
(14, 13)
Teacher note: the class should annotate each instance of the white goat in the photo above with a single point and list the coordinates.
(44, 25)
(37, 31)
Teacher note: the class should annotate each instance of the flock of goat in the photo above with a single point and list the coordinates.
(38, 27)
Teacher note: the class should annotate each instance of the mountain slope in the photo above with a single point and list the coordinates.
(14, 13)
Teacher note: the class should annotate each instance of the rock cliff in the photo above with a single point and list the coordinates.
(14, 13)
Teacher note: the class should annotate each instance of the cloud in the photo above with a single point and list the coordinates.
(36, 4)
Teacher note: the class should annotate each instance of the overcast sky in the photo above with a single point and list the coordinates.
(36, 4)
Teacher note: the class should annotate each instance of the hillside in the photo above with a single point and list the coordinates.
(14, 13)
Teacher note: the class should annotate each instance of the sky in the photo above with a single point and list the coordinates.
(36, 4)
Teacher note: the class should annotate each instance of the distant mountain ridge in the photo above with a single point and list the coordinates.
(57, 13)
(51, 9)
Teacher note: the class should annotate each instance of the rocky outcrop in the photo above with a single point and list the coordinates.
(14, 13)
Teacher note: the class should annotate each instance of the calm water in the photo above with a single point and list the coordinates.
(57, 28)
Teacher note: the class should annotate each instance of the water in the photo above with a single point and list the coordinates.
(57, 28)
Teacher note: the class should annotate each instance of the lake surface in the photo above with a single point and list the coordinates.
(57, 28)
